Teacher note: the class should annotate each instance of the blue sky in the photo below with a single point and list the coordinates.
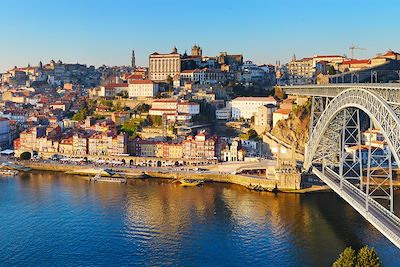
(104, 31)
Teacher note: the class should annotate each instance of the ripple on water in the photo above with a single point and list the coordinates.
(55, 219)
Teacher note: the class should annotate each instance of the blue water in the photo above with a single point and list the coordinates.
(56, 219)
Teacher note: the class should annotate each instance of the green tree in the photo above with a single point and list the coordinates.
(25, 155)
(331, 70)
(156, 120)
(130, 127)
(367, 257)
(347, 258)
(143, 108)
(80, 115)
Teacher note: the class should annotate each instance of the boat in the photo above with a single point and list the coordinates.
(99, 178)
(186, 182)
(5, 172)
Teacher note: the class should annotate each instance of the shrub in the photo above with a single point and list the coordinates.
(25, 155)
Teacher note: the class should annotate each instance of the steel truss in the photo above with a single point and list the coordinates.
(338, 129)
(369, 189)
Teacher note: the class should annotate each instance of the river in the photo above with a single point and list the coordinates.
(57, 219)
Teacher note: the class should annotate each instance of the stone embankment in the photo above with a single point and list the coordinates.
(251, 182)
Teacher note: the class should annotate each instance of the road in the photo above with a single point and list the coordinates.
(385, 221)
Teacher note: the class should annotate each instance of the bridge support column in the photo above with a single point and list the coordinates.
(350, 167)
(379, 183)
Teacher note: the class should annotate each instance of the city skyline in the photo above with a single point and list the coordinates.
(101, 32)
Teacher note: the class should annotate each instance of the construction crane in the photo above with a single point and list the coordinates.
(352, 48)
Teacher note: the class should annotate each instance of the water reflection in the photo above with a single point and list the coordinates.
(63, 219)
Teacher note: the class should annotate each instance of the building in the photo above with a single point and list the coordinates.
(187, 107)
(304, 71)
(170, 150)
(301, 71)
(224, 113)
(107, 144)
(232, 151)
(171, 106)
(264, 117)
(280, 114)
(142, 88)
(5, 134)
(199, 147)
(162, 66)
(375, 137)
(247, 107)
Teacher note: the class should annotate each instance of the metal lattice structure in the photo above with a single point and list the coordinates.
(333, 151)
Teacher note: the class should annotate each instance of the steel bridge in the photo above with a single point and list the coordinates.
(361, 173)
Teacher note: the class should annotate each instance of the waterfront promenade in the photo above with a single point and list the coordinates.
(221, 172)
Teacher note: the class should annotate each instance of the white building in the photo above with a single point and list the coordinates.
(224, 113)
(189, 108)
(280, 114)
(171, 106)
(142, 88)
(246, 107)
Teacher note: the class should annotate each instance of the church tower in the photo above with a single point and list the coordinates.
(196, 51)
(133, 63)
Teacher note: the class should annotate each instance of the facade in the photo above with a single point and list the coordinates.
(280, 114)
(5, 134)
(162, 66)
(246, 107)
(199, 147)
(264, 116)
(301, 71)
(142, 88)
(189, 108)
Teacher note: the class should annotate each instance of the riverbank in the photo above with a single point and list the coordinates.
(250, 182)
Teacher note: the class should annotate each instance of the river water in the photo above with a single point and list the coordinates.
(55, 219)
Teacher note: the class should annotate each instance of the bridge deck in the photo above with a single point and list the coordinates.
(385, 221)
(388, 91)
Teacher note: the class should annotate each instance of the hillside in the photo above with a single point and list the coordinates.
(294, 130)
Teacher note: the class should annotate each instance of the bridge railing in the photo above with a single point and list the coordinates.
(371, 201)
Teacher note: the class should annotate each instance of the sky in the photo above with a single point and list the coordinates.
(97, 32)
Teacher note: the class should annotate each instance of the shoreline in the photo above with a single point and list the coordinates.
(252, 183)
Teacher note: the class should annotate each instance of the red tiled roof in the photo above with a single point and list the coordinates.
(141, 82)
(356, 61)
(113, 85)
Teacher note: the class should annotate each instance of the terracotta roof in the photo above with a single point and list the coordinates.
(113, 85)
(356, 61)
(141, 82)
(283, 111)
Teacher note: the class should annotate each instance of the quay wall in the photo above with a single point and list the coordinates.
(251, 182)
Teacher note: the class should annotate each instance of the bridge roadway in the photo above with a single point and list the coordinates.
(388, 91)
(385, 221)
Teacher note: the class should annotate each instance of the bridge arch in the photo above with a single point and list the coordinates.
(379, 111)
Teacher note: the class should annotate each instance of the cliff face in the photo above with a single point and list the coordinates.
(294, 130)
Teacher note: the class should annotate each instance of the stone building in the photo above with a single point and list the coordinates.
(162, 66)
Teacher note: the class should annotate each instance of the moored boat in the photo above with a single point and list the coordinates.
(187, 182)
(5, 172)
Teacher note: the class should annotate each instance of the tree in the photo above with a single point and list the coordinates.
(143, 108)
(80, 115)
(25, 155)
(367, 257)
(130, 127)
(346, 259)
(331, 70)
(156, 120)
